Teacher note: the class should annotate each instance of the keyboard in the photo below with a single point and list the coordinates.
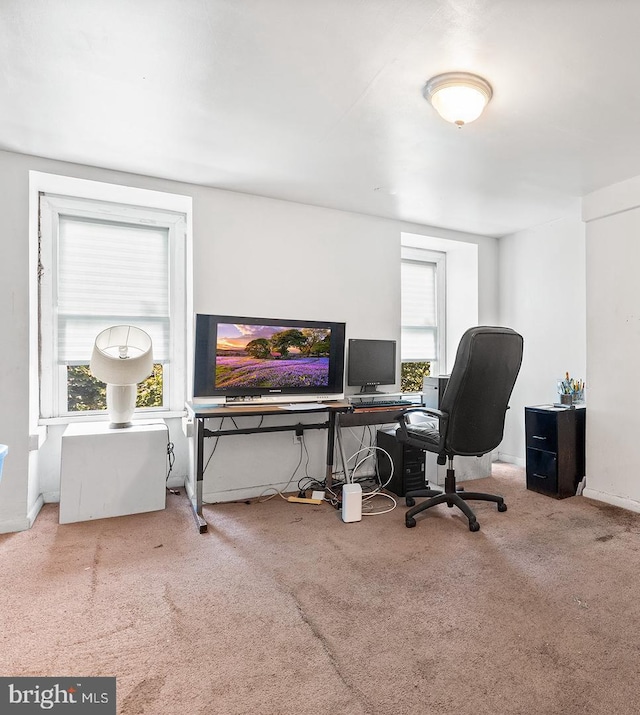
(383, 403)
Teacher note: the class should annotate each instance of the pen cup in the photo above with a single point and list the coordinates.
(578, 396)
(566, 399)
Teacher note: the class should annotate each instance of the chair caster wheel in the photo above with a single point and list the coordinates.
(410, 501)
(409, 522)
(474, 526)
(502, 507)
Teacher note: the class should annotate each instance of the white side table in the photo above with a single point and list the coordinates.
(112, 472)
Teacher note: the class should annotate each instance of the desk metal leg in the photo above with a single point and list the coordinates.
(196, 502)
(343, 457)
(334, 433)
(331, 437)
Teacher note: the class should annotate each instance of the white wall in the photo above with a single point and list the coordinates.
(542, 296)
(14, 344)
(252, 256)
(613, 344)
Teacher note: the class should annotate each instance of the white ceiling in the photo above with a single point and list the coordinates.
(320, 101)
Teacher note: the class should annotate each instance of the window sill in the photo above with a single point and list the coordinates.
(137, 418)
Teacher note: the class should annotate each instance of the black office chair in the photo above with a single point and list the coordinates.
(470, 419)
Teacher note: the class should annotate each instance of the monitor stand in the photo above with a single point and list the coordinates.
(371, 390)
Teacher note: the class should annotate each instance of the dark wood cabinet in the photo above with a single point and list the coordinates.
(555, 449)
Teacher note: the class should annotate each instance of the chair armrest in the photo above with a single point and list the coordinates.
(427, 411)
(442, 417)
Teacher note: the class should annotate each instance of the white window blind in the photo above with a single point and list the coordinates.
(110, 273)
(419, 311)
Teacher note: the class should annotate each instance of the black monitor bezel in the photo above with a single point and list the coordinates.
(205, 336)
(360, 381)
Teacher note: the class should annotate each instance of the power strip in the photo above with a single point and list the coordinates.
(303, 500)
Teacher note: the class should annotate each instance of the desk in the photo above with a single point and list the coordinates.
(198, 415)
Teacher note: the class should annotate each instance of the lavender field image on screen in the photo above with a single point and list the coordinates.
(264, 356)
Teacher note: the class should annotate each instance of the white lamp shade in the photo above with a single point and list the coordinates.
(122, 355)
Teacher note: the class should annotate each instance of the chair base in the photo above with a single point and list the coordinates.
(451, 497)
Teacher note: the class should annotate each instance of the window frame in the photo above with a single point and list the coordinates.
(56, 196)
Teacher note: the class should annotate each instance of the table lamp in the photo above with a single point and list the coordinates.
(122, 357)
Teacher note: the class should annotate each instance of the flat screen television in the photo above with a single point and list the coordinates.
(371, 363)
(240, 359)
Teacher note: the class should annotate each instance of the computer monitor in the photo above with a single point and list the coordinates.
(371, 363)
(240, 359)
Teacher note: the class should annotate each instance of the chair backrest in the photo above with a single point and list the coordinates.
(477, 395)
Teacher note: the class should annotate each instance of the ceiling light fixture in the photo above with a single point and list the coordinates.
(458, 97)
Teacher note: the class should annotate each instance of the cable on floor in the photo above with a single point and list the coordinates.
(367, 496)
(279, 492)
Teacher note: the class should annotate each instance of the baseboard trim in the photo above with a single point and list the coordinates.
(176, 482)
(11, 526)
(35, 510)
(265, 491)
(623, 503)
(510, 459)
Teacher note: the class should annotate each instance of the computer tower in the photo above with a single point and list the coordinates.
(433, 389)
(408, 464)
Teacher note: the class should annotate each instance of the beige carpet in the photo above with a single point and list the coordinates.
(283, 609)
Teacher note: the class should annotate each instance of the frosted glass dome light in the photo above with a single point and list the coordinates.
(458, 97)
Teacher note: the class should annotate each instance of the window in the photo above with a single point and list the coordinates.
(422, 338)
(104, 263)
